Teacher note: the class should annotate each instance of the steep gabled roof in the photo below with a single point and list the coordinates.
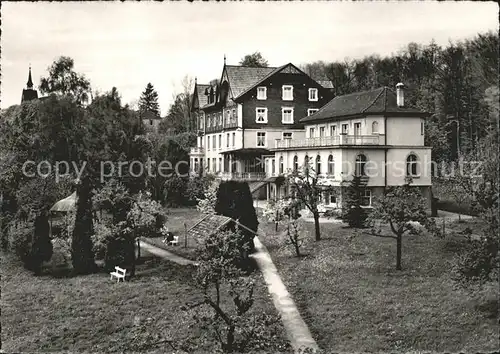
(241, 78)
(199, 92)
(290, 67)
(379, 101)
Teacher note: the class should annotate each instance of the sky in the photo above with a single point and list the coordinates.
(128, 44)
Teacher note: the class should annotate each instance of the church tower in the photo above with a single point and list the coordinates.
(29, 93)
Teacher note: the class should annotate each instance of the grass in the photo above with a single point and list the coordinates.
(93, 314)
(176, 219)
(353, 299)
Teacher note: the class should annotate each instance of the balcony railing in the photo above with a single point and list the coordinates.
(197, 151)
(243, 175)
(328, 141)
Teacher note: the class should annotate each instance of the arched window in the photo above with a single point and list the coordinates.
(360, 165)
(295, 163)
(331, 165)
(306, 161)
(375, 128)
(318, 165)
(412, 165)
(281, 165)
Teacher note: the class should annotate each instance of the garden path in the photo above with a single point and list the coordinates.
(162, 253)
(299, 335)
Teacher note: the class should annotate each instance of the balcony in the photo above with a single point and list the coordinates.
(328, 141)
(197, 151)
(244, 176)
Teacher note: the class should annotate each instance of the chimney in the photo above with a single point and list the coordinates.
(400, 96)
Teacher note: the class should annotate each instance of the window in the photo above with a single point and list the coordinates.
(214, 162)
(195, 164)
(261, 115)
(306, 161)
(332, 198)
(233, 116)
(273, 167)
(261, 93)
(375, 128)
(331, 165)
(261, 139)
(312, 133)
(411, 165)
(281, 165)
(360, 165)
(213, 142)
(318, 165)
(366, 198)
(313, 94)
(295, 163)
(287, 93)
(287, 135)
(287, 115)
(357, 128)
(228, 116)
(220, 141)
(234, 139)
(345, 128)
(220, 118)
(208, 165)
(333, 130)
(311, 111)
(322, 131)
(220, 164)
(227, 140)
(422, 128)
(208, 143)
(150, 122)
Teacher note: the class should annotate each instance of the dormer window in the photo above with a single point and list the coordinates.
(313, 94)
(261, 93)
(287, 93)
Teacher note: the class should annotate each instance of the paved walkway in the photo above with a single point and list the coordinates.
(297, 330)
(160, 252)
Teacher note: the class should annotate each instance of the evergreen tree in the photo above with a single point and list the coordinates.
(235, 200)
(149, 100)
(82, 255)
(352, 212)
(41, 247)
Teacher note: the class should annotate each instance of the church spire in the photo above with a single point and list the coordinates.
(29, 84)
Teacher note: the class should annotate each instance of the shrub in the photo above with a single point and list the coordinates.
(120, 247)
(19, 242)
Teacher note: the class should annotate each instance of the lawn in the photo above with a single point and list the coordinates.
(93, 314)
(176, 219)
(353, 299)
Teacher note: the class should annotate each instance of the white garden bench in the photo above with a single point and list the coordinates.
(119, 273)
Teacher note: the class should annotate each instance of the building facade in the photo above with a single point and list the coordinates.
(369, 134)
(240, 116)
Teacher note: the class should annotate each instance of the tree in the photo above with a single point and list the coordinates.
(352, 212)
(149, 101)
(231, 323)
(63, 80)
(401, 207)
(306, 189)
(207, 205)
(255, 60)
(82, 255)
(41, 249)
(235, 201)
(480, 262)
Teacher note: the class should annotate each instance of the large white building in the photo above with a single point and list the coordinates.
(371, 134)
